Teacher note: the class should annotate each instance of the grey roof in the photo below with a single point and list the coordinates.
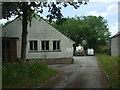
(117, 34)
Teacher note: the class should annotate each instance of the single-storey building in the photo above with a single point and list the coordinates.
(43, 41)
(115, 45)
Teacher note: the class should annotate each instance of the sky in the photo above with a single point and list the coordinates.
(106, 8)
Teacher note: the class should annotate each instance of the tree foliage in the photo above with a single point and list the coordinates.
(34, 8)
(90, 31)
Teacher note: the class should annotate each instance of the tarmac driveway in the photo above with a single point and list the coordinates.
(85, 72)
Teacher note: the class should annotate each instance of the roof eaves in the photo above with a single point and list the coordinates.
(10, 21)
(117, 34)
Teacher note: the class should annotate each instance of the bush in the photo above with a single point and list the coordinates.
(103, 49)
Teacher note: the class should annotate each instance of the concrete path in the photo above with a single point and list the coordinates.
(83, 73)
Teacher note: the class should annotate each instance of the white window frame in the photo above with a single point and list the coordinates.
(33, 45)
(56, 45)
(45, 49)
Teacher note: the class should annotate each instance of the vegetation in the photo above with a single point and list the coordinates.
(90, 31)
(111, 66)
(25, 74)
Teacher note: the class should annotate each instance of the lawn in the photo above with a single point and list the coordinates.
(111, 66)
(25, 74)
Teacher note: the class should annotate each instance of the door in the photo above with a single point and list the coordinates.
(9, 50)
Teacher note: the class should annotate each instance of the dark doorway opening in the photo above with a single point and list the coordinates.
(9, 49)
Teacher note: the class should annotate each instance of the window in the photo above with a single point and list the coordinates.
(56, 45)
(45, 45)
(33, 45)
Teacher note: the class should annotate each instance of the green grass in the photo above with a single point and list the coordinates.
(25, 74)
(111, 67)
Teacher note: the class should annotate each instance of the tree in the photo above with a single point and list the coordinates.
(90, 31)
(99, 32)
(27, 11)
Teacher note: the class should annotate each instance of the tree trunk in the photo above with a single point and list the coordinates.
(24, 29)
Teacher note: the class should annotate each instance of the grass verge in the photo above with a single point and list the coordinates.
(111, 66)
(25, 74)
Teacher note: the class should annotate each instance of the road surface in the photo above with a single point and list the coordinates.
(85, 72)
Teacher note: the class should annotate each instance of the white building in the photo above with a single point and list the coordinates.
(115, 45)
(43, 41)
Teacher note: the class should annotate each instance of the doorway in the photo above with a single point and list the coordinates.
(9, 49)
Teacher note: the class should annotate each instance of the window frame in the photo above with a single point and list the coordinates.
(33, 45)
(57, 45)
(45, 43)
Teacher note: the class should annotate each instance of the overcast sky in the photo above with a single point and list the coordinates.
(106, 8)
